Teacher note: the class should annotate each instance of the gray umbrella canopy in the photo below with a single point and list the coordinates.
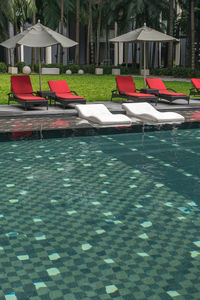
(144, 34)
(38, 36)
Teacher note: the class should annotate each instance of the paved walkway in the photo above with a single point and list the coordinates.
(16, 110)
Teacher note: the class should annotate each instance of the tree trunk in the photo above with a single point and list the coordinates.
(98, 31)
(89, 34)
(61, 27)
(33, 49)
(77, 31)
(16, 48)
(192, 28)
(67, 34)
(153, 55)
(170, 32)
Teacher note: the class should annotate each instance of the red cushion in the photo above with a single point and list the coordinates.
(196, 83)
(68, 96)
(166, 92)
(29, 97)
(59, 86)
(21, 84)
(140, 95)
(155, 83)
(125, 84)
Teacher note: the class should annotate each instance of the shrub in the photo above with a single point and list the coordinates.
(20, 66)
(182, 72)
(90, 69)
(161, 71)
(3, 67)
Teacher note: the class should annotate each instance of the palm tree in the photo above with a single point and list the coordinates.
(170, 32)
(21, 11)
(192, 33)
(33, 49)
(98, 30)
(5, 17)
(61, 27)
(77, 31)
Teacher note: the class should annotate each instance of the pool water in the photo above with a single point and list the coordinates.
(101, 217)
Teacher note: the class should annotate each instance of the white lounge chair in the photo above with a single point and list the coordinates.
(98, 113)
(147, 112)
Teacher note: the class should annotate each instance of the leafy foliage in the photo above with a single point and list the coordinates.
(3, 67)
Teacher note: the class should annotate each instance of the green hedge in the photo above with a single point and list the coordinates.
(88, 69)
(3, 67)
(20, 66)
(177, 72)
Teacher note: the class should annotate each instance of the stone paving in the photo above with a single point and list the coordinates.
(14, 119)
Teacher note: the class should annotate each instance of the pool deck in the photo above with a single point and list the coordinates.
(13, 118)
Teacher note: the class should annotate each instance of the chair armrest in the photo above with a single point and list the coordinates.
(122, 92)
(169, 89)
(74, 93)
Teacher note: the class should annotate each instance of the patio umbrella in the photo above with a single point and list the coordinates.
(38, 36)
(143, 34)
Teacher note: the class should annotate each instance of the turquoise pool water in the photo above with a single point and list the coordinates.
(101, 217)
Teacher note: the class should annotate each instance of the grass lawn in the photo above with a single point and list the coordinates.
(92, 87)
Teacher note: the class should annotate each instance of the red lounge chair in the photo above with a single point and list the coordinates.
(167, 94)
(22, 92)
(195, 90)
(126, 89)
(63, 93)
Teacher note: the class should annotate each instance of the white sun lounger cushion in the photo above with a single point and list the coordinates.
(98, 113)
(147, 112)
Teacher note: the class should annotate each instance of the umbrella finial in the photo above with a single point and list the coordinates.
(145, 24)
(39, 21)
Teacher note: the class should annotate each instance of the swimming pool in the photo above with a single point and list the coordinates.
(101, 217)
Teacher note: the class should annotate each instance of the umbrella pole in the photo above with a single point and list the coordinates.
(40, 71)
(144, 64)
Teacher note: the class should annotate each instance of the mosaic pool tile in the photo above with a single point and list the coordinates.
(192, 203)
(96, 203)
(36, 220)
(71, 212)
(143, 236)
(146, 224)
(109, 261)
(194, 253)
(111, 289)
(53, 271)
(86, 247)
(197, 243)
(173, 293)
(23, 257)
(143, 254)
(11, 296)
(77, 256)
(100, 231)
(54, 256)
(138, 205)
(40, 237)
(39, 285)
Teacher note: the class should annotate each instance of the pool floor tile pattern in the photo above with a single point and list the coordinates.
(88, 218)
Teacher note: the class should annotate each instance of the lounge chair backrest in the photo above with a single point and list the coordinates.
(156, 83)
(21, 84)
(59, 86)
(89, 110)
(125, 84)
(196, 83)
